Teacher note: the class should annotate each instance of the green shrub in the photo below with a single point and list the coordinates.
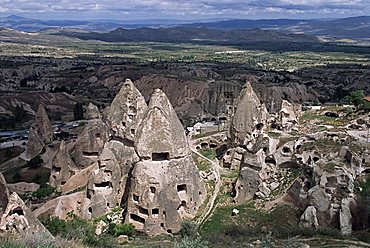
(120, 229)
(188, 242)
(188, 229)
(44, 191)
(76, 228)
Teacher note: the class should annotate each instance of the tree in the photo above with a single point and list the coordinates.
(19, 113)
(356, 98)
(78, 111)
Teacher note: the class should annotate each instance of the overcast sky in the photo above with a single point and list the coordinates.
(183, 9)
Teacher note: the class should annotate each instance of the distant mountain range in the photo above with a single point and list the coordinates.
(344, 28)
(187, 34)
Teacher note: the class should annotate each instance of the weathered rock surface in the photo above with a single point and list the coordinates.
(92, 112)
(43, 125)
(161, 133)
(165, 186)
(163, 193)
(79, 180)
(19, 220)
(289, 115)
(107, 183)
(309, 218)
(35, 144)
(249, 117)
(247, 184)
(126, 111)
(90, 143)
(23, 187)
(4, 194)
(61, 206)
(62, 167)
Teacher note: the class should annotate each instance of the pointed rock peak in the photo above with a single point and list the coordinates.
(43, 125)
(4, 194)
(92, 112)
(161, 132)
(159, 99)
(62, 166)
(19, 218)
(249, 116)
(126, 111)
(34, 145)
(247, 90)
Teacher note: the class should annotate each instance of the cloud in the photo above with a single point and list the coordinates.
(185, 8)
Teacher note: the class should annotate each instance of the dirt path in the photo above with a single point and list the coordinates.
(216, 169)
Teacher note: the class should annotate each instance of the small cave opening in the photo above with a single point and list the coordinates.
(103, 185)
(169, 231)
(97, 135)
(137, 218)
(286, 149)
(270, 160)
(152, 190)
(160, 156)
(212, 146)
(259, 126)
(135, 198)
(143, 211)
(18, 211)
(181, 187)
(155, 212)
(90, 154)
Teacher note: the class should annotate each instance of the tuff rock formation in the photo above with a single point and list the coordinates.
(18, 219)
(107, 183)
(161, 132)
(165, 186)
(61, 206)
(90, 143)
(289, 115)
(43, 125)
(4, 194)
(249, 117)
(92, 112)
(62, 167)
(35, 144)
(126, 111)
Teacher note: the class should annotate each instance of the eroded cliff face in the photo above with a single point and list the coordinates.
(15, 217)
(126, 112)
(165, 185)
(90, 143)
(138, 158)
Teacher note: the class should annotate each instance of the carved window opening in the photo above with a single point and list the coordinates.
(137, 218)
(286, 150)
(160, 156)
(144, 211)
(155, 212)
(135, 198)
(18, 211)
(90, 154)
(181, 187)
(153, 190)
(103, 185)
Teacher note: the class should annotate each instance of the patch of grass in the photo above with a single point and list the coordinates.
(202, 164)
(209, 153)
